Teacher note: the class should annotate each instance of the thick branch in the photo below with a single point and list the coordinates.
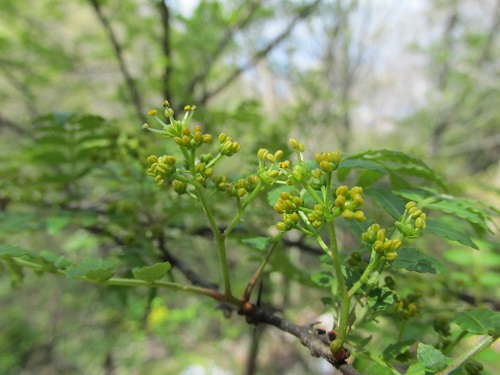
(316, 340)
(303, 13)
(129, 81)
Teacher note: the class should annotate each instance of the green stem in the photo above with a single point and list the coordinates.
(128, 282)
(402, 330)
(374, 262)
(483, 343)
(219, 238)
(241, 209)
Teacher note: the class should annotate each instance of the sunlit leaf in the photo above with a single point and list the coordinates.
(93, 269)
(258, 243)
(430, 357)
(152, 273)
(477, 321)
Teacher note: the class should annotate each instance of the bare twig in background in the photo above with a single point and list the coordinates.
(260, 54)
(251, 8)
(135, 97)
(166, 49)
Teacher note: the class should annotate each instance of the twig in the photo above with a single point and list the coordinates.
(165, 44)
(135, 98)
(226, 38)
(303, 13)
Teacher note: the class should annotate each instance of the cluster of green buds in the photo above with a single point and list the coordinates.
(328, 161)
(267, 173)
(349, 201)
(161, 168)
(227, 146)
(288, 205)
(412, 222)
(176, 128)
(441, 324)
(317, 216)
(375, 236)
(406, 307)
(192, 139)
(239, 188)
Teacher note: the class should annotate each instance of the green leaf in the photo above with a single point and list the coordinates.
(443, 230)
(454, 207)
(393, 350)
(14, 251)
(324, 279)
(495, 325)
(352, 162)
(411, 259)
(477, 321)
(93, 269)
(258, 243)
(358, 228)
(430, 357)
(152, 273)
(381, 298)
(386, 199)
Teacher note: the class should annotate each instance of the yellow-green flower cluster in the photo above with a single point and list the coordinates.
(161, 168)
(267, 174)
(328, 161)
(316, 217)
(349, 201)
(288, 205)
(413, 221)
(192, 139)
(380, 243)
(174, 128)
(239, 188)
(227, 146)
(406, 307)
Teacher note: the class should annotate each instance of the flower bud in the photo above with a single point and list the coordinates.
(326, 166)
(341, 190)
(278, 154)
(391, 256)
(152, 159)
(222, 137)
(294, 143)
(207, 138)
(271, 158)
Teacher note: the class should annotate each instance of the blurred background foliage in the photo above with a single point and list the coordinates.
(77, 79)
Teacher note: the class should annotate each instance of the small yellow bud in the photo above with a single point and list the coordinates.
(152, 159)
(273, 173)
(420, 223)
(359, 216)
(284, 164)
(281, 226)
(262, 153)
(222, 137)
(294, 143)
(391, 256)
(302, 148)
(326, 166)
(166, 104)
(242, 192)
(271, 158)
(396, 244)
(169, 112)
(278, 207)
(207, 138)
(340, 201)
(410, 205)
(381, 235)
(341, 190)
(416, 214)
(348, 214)
(145, 126)
(152, 112)
(178, 140)
(356, 190)
(187, 108)
(278, 154)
